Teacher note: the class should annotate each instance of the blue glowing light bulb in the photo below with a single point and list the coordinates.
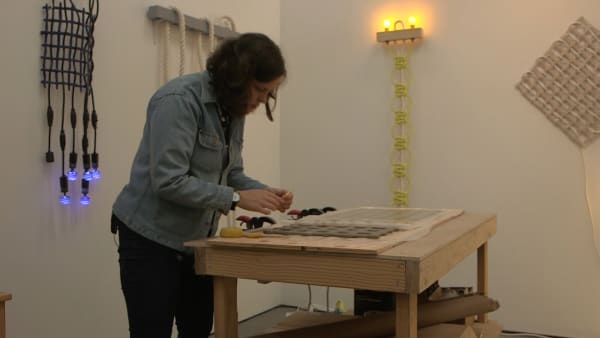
(72, 175)
(84, 200)
(87, 175)
(65, 199)
(96, 174)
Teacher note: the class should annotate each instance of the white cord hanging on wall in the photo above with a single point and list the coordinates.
(564, 84)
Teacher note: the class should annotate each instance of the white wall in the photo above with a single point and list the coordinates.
(477, 144)
(60, 263)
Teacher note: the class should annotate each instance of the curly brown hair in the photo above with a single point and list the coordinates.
(237, 62)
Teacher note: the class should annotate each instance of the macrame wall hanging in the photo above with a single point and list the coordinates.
(564, 85)
(191, 31)
(66, 67)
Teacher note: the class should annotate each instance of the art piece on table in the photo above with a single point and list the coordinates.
(401, 218)
(348, 230)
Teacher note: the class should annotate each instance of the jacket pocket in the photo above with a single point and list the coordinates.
(208, 140)
(208, 156)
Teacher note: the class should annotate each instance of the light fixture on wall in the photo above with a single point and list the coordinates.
(67, 66)
(400, 33)
(398, 42)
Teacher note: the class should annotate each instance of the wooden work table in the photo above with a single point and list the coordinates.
(4, 297)
(405, 269)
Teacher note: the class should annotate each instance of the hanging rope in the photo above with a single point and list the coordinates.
(228, 21)
(181, 27)
(200, 52)
(164, 28)
(211, 36)
(165, 48)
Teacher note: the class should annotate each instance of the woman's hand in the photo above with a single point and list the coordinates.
(285, 195)
(260, 200)
(265, 200)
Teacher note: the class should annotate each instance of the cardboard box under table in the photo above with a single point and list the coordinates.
(404, 262)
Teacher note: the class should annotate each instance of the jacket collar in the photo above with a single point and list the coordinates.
(207, 95)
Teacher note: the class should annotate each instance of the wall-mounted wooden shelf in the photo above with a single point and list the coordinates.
(191, 23)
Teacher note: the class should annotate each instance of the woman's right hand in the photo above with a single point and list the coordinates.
(260, 200)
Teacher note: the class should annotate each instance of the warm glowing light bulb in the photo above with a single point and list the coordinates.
(412, 21)
(387, 24)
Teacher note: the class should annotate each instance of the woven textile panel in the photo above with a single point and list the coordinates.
(564, 84)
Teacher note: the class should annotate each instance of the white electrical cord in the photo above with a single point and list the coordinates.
(595, 230)
(310, 307)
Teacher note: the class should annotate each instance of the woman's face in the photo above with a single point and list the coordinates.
(259, 92)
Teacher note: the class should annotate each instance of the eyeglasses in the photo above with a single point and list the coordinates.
(271, 101)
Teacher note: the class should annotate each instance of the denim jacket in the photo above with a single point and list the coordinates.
(184, 172)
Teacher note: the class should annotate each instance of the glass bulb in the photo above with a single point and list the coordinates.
(84, 200)
(96, 174)
(87, 175)
(65, 200)
(412, 20)
(72, 175)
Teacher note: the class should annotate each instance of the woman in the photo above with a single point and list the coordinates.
(187, 171)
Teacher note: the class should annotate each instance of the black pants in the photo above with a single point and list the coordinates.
(159, 284)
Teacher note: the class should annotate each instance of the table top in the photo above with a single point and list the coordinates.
(408, 267)
(477, 227)
(5, 296)
(390, 246)
(348, 230)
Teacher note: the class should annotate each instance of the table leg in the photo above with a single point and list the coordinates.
(2, 321)
(226, 319)
(482, 276)
(406, 315)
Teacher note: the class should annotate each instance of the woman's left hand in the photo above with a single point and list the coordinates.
(286, 195)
